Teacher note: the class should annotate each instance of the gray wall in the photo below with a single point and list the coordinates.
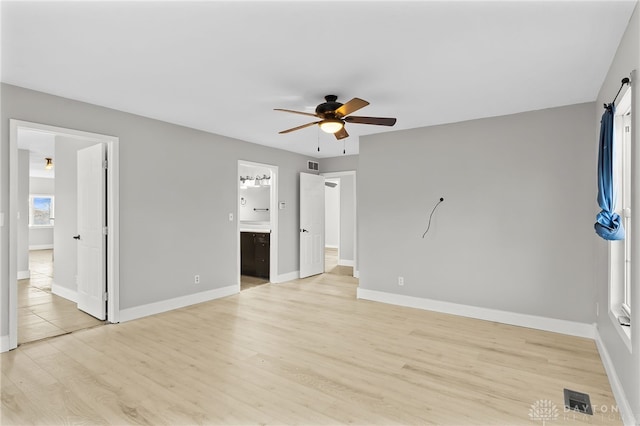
(39, 237)
(347, 215)
(332, 214)
(627, 364)
(23, 212)
(339, 164)
(65, 263)
(515, 232)
(177, 187)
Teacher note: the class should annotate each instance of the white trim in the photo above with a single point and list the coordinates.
(24, 275)
(345, 262)
(623, 331)
(331, 246)
(512, 318)
(113, 236)
(356, 273)
(290, 276)
(41, 247)
(113, 278)
(616, 387)
(176, 303)
(64, 292)
(4, 343)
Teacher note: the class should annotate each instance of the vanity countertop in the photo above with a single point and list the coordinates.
(261, 230)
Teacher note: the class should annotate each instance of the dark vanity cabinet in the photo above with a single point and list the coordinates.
(254, 254)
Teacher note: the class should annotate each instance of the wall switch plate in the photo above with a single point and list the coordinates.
(196, 279)
(230, 217)
(282, 205)
(400, 280)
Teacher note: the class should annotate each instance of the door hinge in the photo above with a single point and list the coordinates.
(105, 164)
(105, 296)
(105, 230)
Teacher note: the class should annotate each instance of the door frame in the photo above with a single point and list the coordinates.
(333, 175)
(113, 187)
(273, 219)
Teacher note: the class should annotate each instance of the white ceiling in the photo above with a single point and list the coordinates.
(223, 66)
(40, 146)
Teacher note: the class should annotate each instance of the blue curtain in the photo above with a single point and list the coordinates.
(608, 223)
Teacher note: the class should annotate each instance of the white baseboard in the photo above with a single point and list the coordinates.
(356, 274)
(64, 292)
(512, 318)
(290, 276)
(618, 391)
(345, 262)
(24, 275)
(4, 343)
(176, 303)
(41, 247)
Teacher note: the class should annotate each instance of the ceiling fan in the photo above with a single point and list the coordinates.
(334, 114)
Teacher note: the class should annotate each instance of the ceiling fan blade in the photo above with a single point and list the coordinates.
(352, 106)
(380, 121)
(341, 134)
(299, 127)
(296, 112)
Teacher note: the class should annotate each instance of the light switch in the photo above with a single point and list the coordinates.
(282, 205)
(230, 217)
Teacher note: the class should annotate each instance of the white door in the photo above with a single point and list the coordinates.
(311, 224)
(91, 231)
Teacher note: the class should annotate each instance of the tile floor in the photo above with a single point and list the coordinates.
(42, 314)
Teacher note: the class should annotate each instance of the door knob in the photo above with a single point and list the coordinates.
(303, 230)
(76, 237)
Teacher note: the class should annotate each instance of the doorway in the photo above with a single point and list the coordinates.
(341, 223)
(257, 224)
(111, 212)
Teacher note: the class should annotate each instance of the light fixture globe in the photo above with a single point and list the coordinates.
(331, 125)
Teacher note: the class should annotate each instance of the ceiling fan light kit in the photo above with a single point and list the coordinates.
(334, 114)
(331, 125)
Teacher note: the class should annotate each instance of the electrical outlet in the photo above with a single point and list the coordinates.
(196, 279)
(400, 280)
(230, 217)
(597, 309)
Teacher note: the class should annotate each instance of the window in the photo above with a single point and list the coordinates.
(41, 208)
(620, 251)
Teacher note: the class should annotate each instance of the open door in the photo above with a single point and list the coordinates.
(311, 225)
(91, 235)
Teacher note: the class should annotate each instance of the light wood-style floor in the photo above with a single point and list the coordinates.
(42, 314)
(303, 352)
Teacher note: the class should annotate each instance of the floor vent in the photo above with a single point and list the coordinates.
(577, 401)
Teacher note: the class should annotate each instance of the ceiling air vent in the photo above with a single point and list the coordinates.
(312, 165)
